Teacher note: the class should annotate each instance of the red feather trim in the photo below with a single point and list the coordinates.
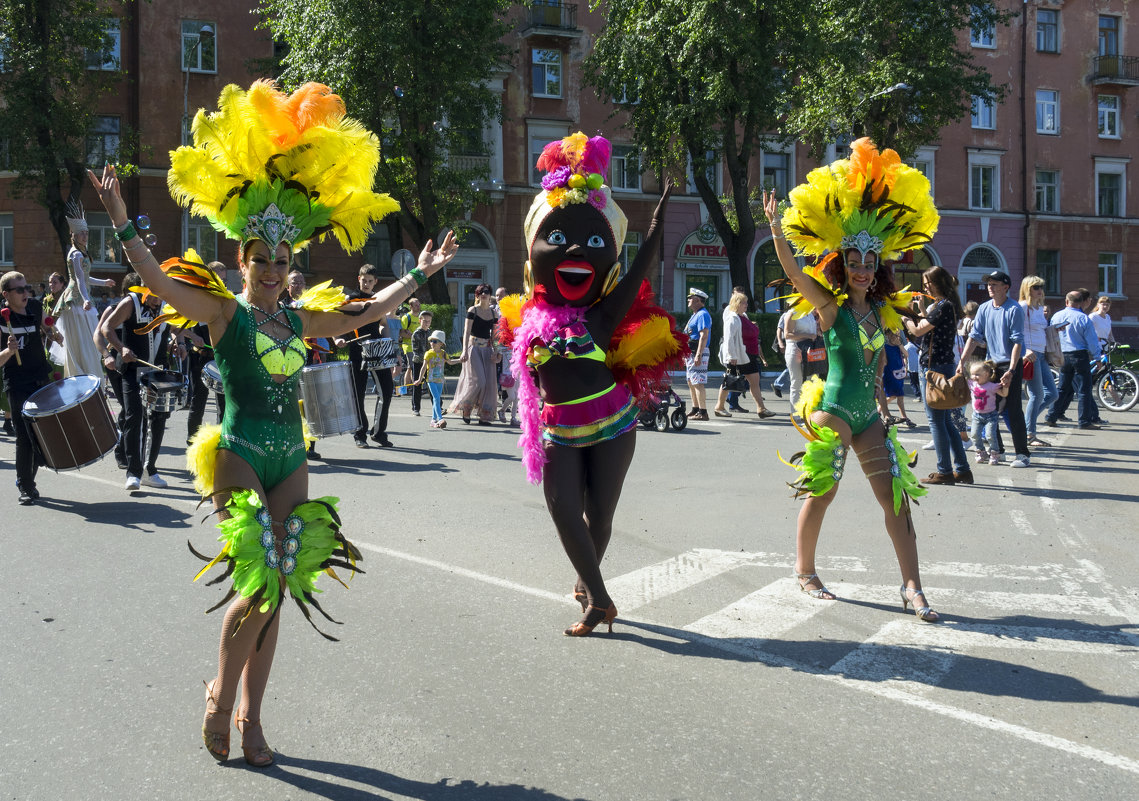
(641, 381)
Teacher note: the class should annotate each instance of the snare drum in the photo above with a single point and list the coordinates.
(379, 354)
(163, 391)
(211, 377)
(72, 422)
(329, 399)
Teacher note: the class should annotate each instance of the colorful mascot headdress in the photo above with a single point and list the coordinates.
(281, 168)
(870, 202)
(575, 169)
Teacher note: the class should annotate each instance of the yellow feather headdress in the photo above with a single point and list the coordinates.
(870, 202)
(281, 168)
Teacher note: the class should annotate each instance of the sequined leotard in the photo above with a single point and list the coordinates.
(849, 393)
(262, 422)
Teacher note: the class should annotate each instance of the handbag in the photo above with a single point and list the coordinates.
(945, 392)
(1052, 353)
(734, 380)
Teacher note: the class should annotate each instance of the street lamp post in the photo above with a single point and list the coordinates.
(205, 34)
(889, 90)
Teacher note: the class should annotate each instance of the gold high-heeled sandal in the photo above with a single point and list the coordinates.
(924, 613)
(583, 628)
(821, 594)
(262, 755)
(581, 598)
(217, 743)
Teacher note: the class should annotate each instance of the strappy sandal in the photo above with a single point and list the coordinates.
(262, 755)
(924, 613)
(217, 743)
(821, 594)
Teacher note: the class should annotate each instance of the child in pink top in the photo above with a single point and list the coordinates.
(986, 414)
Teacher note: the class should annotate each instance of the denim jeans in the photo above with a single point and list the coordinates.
(946, 440)
(1076, 376)
(1041, 393)
(436, 389)
(986, 423)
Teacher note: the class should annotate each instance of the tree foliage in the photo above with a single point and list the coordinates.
(715, 81)
(49, 97)
(416, 73)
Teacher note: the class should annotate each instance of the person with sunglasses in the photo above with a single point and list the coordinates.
(25, 367)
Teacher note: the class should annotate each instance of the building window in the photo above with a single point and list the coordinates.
(546, 73)
(1111, 273)
(378, 250)
(982, 187)
(982, 34)
(1108, 36)
(1047, 30)
(202, 237)
(711, 172)
(1109, 194)
(1048, 268)
(7, 239)
(107, 57)
(629, 96)
(199, 53)
(1109, 116)
(626, 169)
(103, 141)
(777, 172)
(984, 114)
(629, 251)
(1047, 111)
(1047, 191)
(540, 135)
(102, 245)
(924, 162)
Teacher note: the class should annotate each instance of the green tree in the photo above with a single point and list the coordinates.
(49, 96)
(714, 81)
(416, 72)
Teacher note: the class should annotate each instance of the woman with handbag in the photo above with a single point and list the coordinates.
(741, 368)
(1038, 379)
(938, 329)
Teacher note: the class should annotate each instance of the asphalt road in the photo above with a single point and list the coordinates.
(452, 680)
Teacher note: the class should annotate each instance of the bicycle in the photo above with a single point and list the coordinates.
(1116, 387)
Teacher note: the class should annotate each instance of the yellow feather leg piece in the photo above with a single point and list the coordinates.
(201, 458)
(336, 578)
(224, 553)
(809, 397)
(808, 435)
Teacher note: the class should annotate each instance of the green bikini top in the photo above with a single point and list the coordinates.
(278, 356)
(572, 342)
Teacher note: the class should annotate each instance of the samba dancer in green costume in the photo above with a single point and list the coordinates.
(861, 212)
(274, 178)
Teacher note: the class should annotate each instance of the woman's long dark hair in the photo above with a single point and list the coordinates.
(946, 286)
(883, 284)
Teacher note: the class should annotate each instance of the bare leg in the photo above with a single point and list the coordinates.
(810, 521)
(721, 398)
(756, 392)
(871, 446)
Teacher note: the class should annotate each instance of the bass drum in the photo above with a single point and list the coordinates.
(328, 398)
(72, 422)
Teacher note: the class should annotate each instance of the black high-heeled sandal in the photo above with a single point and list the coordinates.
(593, 618)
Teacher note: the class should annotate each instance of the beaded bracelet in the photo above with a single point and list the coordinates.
(419, 276)
(127, 232)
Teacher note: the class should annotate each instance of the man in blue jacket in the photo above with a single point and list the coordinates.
(1080, 346)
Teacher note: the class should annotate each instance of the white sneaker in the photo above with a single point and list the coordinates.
(155, 480)
(132, 483)
(1019, 461)
(928, 446)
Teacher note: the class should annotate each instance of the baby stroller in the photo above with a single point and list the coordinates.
(655, 412)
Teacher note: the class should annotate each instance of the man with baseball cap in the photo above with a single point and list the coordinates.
(699, 331)
(999, 326)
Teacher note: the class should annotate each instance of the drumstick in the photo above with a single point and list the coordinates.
(146, 364)
(8, 319)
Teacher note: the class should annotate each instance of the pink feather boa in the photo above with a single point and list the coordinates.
(545, 321)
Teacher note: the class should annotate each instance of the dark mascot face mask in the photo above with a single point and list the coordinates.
(572, 254)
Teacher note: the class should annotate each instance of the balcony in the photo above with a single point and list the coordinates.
(1115, 71)
(551, 19)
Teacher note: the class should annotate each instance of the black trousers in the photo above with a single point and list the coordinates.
(115, 379)
(417, 390)
(136, 417)
(386, 386)
(1076, 376)
(28, 458)
(1013, 412)
(360, 385)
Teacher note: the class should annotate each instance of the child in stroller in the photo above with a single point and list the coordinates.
(655, 411)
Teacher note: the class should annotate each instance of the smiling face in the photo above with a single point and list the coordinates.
(572, 254)
(265, 272)
(860, 269)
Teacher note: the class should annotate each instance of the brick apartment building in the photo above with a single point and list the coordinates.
(1037, 184)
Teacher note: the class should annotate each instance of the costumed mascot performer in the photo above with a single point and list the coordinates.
(856, 216)
(588, 344)
(272, 171)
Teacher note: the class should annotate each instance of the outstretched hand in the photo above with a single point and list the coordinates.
(110, 194)
(430, 261)
(771, 207)
(658, 213)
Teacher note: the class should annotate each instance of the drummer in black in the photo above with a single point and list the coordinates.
(23, 333)
(131, 314)
(367, 278)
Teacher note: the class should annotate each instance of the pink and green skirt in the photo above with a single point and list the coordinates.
(596, 418)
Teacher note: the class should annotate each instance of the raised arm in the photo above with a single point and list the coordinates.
(190, 302)
(387, 300)
(616, 305)
(805, 285)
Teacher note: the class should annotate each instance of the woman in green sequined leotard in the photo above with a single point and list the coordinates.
(847, 417)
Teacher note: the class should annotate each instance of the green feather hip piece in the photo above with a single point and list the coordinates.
(906, 484)
(820, 464)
